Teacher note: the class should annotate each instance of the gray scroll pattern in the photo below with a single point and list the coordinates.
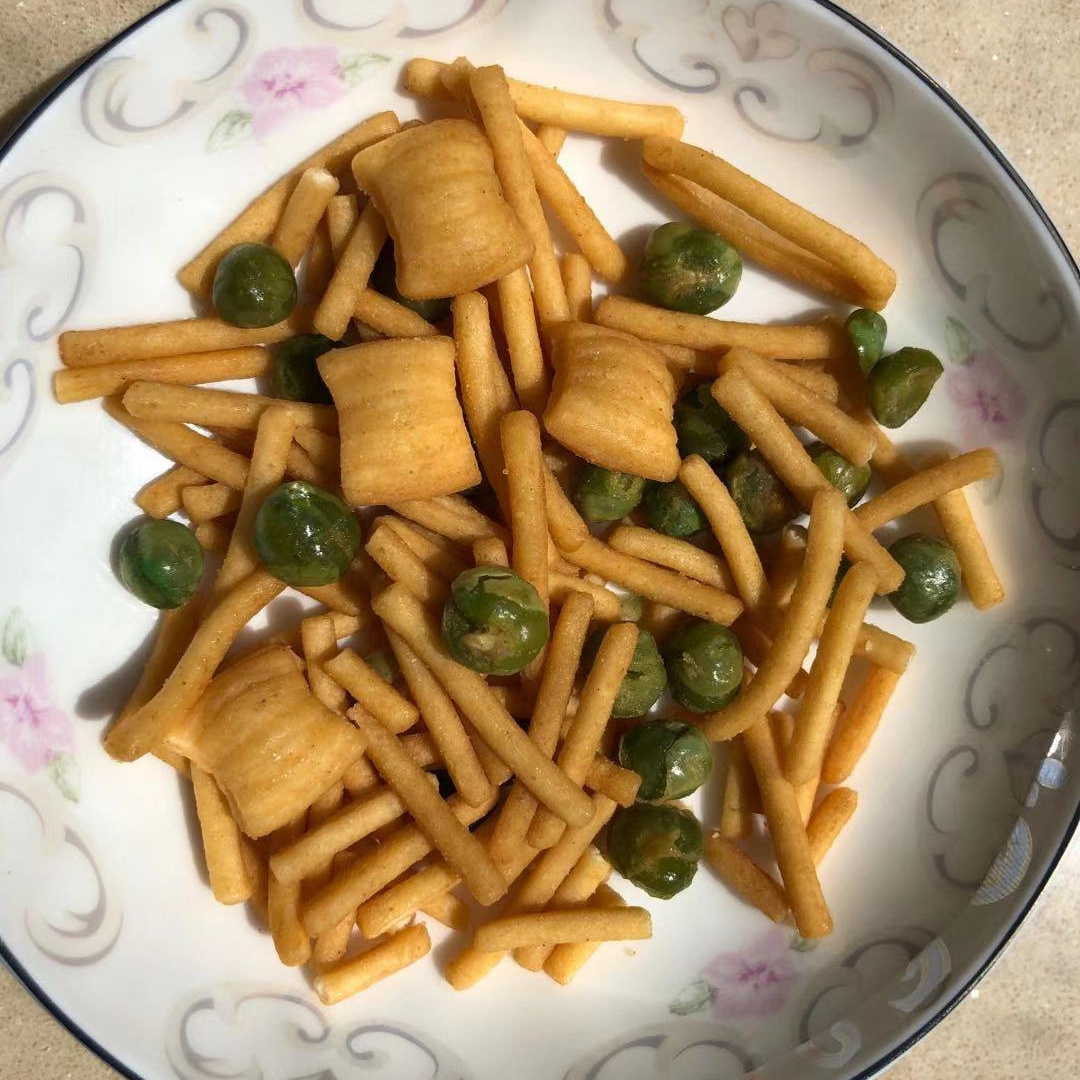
(257, 1033)
(1054, 484)
(780, 83)
(47, 242)
(73, 933)
(383, 20)
(666, 1047)
(115, 88)
(1020, 707)
(978, 247)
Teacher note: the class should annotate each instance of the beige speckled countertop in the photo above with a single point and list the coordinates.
(1015, 65)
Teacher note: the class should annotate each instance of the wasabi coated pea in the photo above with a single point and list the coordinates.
(689, 269)
(254, 286)
(765, 504)
(161, 563)
(494, 621)
(671, 509)
(305, 535)
(631, 607)
(645, 678)
(931, 577)
(384, 280)
(606, 494)
(295, 373)
(900, 383)
(656, 846)
(704, 666)
(867, 330)
(384, 664)
(850, 480)
(672, 758)
(704, 427)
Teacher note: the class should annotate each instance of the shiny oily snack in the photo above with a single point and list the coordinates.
(403, 436)
(267, 740)
(612, 400)
(435, 187)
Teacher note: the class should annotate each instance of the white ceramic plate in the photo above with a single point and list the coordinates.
(966, 795)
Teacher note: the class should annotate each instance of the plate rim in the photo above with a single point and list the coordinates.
(27, 120)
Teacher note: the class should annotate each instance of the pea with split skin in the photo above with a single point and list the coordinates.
(494, 621)
(656, 846)
(672, 758)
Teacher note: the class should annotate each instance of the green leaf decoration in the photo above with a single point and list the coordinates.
(356, 67)
(959, 341)
(693, 999)
(15, 643)
(64, 773)
(232, 128)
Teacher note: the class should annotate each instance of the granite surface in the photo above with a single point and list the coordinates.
(1016, 66)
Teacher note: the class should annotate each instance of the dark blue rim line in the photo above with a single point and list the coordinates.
(973, 126)
(8, 144)
(22, 127)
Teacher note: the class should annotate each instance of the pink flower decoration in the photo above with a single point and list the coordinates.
(284, 80)
(990, 402)
(32, 727)
(753, 981)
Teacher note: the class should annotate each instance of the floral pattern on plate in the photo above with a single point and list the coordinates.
(35, 731)
(284, 83)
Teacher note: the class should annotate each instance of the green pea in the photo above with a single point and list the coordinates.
(672, 758)
(631, 607)
(704, 427)
(161, 563)
(704, 666)
(254, 286)
(384, 280)
(656, 846)
(645, 678)
(765, 504)
(850, 480)
(294, 372)
(867, 329)
(305, 535)
(384, 664)
(900, 383)
(689, 269)
(671, 509)
(931, 577)
(494, 621)
(607, 495)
